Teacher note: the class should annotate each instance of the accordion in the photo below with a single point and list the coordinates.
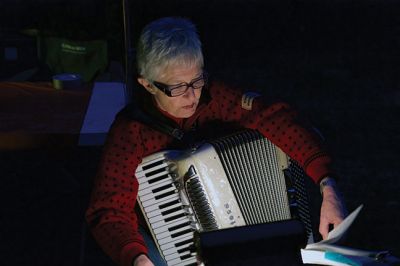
(241, 179)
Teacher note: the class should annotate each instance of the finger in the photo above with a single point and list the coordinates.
(337, 222)
(323, 229)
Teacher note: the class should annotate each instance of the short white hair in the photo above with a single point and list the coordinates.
(168, 42)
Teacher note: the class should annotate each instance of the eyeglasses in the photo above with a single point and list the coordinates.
(182, 88)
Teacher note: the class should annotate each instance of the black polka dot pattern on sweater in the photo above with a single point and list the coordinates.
(111, 214)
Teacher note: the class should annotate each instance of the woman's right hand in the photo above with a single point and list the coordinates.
(142, 260)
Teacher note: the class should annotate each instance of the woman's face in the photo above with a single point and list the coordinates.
(182, 106)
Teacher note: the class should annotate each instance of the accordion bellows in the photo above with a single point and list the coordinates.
(241, 179)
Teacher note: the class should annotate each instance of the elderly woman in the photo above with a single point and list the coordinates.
(176, 94)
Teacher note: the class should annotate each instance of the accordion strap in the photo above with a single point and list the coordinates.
(136, 113)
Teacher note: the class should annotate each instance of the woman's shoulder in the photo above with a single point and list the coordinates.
(220, 89)
(124, 125)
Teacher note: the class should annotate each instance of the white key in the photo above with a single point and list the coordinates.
(187, 261)
(176, 240)
(144, 191)
(161, 164)
(163, 217)
(162, 222)
(172, 250)
(152, 201)
(160, 212)
(146, 185)
(177, 260)
(176, 256)
(171, 245)
(159, 203)
(145, 179)
(153, 196)
(182, 220)
(167, 224)
(170, 234)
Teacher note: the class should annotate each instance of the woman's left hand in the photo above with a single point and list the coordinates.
(333, 210)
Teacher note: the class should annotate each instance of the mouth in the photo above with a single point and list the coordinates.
(190, 106)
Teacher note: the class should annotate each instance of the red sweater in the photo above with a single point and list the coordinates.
(111, 214)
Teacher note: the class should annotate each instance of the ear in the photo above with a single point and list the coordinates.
(147, 85)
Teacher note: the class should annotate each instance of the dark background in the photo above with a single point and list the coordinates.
(336, 61)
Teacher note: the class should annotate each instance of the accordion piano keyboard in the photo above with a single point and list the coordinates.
(160, 201)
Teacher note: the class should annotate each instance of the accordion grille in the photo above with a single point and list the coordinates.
(302, 210)
(251, 165)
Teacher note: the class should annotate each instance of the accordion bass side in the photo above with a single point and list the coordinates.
(241, 179)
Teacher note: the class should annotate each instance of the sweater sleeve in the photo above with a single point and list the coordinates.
(111, 213)
(279, 123)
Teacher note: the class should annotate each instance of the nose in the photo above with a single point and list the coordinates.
(190, 93)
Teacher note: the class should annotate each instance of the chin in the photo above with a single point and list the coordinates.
(187, 114)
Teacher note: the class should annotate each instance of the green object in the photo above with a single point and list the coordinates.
(341, 258)
(87, 58)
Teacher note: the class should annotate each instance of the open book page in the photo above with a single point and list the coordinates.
(326, 252)
(337, 233)
(318, 257)
(344, 250)
(321, 257)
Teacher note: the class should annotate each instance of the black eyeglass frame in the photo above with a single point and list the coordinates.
(168, 90)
